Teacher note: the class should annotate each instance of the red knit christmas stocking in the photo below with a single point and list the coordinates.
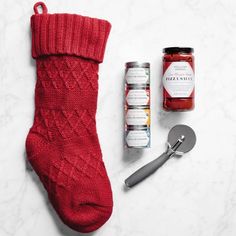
(62, 145)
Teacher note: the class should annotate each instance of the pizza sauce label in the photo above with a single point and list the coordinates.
(178, 79)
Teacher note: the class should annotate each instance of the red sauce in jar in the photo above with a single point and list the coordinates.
(178, 79)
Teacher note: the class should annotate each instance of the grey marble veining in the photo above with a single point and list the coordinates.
(194, 195)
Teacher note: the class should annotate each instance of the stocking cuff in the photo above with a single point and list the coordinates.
(70, 34)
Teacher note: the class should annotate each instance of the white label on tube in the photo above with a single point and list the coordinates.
(138, 138)
(137, 117)
(137, 97)
(137, 76)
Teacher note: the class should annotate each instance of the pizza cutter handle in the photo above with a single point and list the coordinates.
(146, 170)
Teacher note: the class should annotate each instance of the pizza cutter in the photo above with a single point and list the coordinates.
(181, 139)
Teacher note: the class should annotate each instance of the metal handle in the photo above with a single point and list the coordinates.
(146, 170)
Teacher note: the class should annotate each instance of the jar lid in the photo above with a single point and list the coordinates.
(138, 128)
(137, 64)
(172, 50)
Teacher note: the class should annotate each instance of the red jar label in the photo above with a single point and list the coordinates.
(178, 79)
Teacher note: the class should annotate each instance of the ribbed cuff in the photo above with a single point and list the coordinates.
(69, 34)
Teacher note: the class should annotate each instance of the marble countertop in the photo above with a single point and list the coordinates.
(191, 196)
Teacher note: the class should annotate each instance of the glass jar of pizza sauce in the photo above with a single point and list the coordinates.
(178, 79)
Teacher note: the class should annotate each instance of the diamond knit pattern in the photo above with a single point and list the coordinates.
(62, 145)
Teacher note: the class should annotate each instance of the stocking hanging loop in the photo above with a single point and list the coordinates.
(43, 7)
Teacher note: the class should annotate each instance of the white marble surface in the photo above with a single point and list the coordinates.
(191, 196)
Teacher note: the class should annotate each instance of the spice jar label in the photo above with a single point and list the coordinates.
(138, 138)
(178, 79)
(138, 117)
(137, 76)
(138, 97)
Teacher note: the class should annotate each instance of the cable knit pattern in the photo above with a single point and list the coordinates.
(62, 145)
(69, 34)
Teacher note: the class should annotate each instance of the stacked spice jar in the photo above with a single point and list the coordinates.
(137, 105)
